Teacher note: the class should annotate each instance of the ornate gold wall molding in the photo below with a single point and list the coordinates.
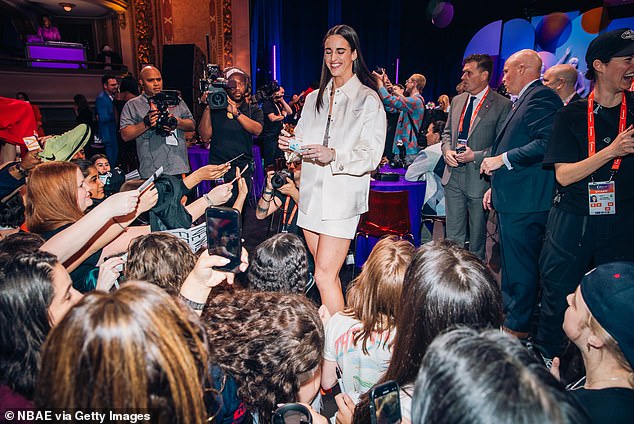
(220, 32)
(227, 26)
(144, 32)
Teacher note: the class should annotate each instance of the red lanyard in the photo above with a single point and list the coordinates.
(592, 143)
(474, 114)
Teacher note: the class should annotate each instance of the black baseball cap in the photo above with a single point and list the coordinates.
(617, 43)
(608, 291)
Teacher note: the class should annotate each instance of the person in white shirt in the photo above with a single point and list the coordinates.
(342, 134)
(359, 339)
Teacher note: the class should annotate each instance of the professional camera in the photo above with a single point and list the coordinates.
(215, 85)
(279, 178)
(400, 161)
(267, 91)
(162, 101)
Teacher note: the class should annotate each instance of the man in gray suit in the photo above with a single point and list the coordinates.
(474, 119)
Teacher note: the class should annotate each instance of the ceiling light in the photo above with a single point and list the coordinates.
(67, 6)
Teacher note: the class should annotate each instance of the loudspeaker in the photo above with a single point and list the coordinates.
(183, 66)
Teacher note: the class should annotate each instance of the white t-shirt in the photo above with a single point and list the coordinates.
(360, 371)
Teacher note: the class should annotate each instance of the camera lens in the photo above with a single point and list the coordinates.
(277, 181)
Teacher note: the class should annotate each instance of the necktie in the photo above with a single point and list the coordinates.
(466, 122)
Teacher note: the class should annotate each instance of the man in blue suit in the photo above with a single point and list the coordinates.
(106, 117)
(521, 189)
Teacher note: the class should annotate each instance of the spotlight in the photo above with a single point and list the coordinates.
(67, 6)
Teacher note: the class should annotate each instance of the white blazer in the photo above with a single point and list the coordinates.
(357, 133)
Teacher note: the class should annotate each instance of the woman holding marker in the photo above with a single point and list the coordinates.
(341, 132)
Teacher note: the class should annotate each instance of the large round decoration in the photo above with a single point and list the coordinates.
(595, 20)
(553, 31)
(442, 15)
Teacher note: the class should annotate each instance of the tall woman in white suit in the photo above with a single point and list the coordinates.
(342, 133)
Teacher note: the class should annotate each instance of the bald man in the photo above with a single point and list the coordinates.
(521, 189)
(138, 121)
(562, 79)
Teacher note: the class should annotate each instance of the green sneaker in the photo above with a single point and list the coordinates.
(63, 147)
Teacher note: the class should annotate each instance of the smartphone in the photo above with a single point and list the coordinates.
(380, 70)
(150, 180)
(385, 404)
(224, 235)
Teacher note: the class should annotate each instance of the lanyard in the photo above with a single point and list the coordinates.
(286, 223)
(474, 114)
(592, 144)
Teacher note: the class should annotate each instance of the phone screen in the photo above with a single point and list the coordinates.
(386, 403)
(224, 235)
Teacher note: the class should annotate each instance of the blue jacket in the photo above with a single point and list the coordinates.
(105, 114)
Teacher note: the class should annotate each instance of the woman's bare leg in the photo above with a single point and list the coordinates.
(329, 258)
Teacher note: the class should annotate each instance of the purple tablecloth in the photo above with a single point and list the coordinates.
(199, 156)
(416, 193)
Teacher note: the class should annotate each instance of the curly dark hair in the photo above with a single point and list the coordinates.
(26, 291)
(12, 211)
(17, 244)
(160, 258)
(279, 264)
(268, 342)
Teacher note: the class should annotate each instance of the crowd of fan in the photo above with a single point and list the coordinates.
(100, 309)
(179, 341)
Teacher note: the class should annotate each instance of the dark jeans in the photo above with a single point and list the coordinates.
(573, 244)
(521, 239)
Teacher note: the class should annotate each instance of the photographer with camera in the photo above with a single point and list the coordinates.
(275, 110)
(229, 124)
(410, 105)
(157, 120)
(281, 192)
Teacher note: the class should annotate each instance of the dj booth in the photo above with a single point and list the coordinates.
(52, 50)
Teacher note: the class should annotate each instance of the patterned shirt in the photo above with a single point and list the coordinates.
(412, 111)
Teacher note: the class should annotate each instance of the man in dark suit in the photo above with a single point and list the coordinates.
(475, 118)
(562, 79)
(106, 117)
(521, 189)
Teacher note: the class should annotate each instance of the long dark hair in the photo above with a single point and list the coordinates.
(358, 66)
(514, 386)
(444, 286)
(26, 292)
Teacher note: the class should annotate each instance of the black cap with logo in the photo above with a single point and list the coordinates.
(617, 43)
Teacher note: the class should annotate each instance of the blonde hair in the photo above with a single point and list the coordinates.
(420, 80)
(51, 195)
(136, 349)
(612, 346)
(443, 100)
(374, 296)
